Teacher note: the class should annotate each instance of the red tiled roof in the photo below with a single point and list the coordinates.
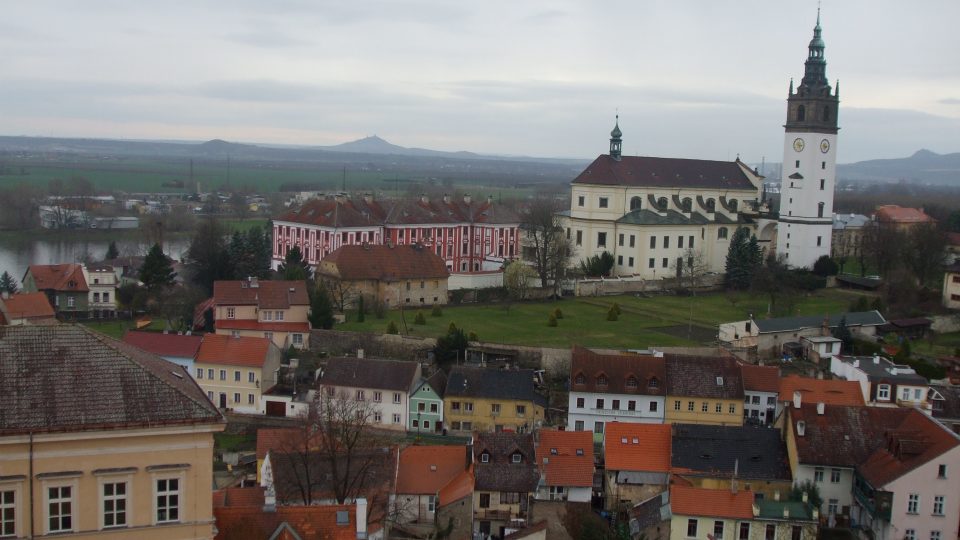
(58, 277)
(649, 371)
(668, 173)
(891, 213)
(458, 488)
(387, 263)
(307, 522)
(650, 452)
(273, 439)
(238, 496)
(247, 324)
(844, 436)
(720, 503)
(333, 213)
(760, 378)
(915, 441)
(28, 306)
(233, 351)
(180, 346)
(425, 470)
(828, 391)
(559, 461)
(264, 294)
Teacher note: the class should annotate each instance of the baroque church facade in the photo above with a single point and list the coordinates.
(658, 215)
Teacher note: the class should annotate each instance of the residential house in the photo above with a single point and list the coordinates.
(650, 519)
(385, 384)
(426, 403)
(881, 381)
(506, 478)
(945, 405)
(181, 349)
(107, 441)
(614, 388)
(234, 371)
(710, 513)
(388, 275)
(455, 506)
(65, 286)
(768, 336)
(819, 349)
(102, 298)
(951, 286)
(901, 218)
(276, 310)
(848, 235)
(905, 487)
(565, 461)
(26, 308)
(481, 399)
(704, 390)
(798, 520)
(423, 473)
(794, 388)
(715, 457)
(761, 388)
(637, 463)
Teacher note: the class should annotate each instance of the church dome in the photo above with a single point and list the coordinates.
(616, 133)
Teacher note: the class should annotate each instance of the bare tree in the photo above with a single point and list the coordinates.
(517, 279)
(549, 249)
(690, 268)
(925, 252)
(341, 292)
(882, 246)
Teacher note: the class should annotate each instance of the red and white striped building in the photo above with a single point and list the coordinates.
(471, 236)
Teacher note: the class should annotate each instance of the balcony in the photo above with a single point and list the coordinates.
(879, 505)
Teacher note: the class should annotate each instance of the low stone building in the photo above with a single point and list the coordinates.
(767, 336)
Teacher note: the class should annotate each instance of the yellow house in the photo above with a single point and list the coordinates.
(235, 371)
(276, 310)
(479, 399)
(703, 390)
(108, 440)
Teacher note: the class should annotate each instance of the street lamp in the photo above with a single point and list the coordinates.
(418, 424)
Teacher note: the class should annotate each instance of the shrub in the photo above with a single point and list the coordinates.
(473, 337)
(860, 304)
(380, 310)
(419, 319)
(436, 311)
(558, 314)
(825, 266)
(392, 328)
(615, 307)
(552, 320)
(613, 314)
(452, 328)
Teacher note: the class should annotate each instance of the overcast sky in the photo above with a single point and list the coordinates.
(694, 78)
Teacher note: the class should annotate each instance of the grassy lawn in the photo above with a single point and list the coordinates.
(941, 345)
(115, 328)
(643, 322)
(243, 225)
(235, 442)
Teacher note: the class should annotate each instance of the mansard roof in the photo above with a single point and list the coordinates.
(649, 371)
(367, 212)
(643, 171)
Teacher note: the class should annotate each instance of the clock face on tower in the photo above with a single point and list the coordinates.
(824, 146)
(798, 144)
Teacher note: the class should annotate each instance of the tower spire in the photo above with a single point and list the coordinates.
(615, 141)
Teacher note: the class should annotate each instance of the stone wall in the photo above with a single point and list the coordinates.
(340, 343)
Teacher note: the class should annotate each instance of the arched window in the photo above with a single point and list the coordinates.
(601, 380)
(820, 210)
(662, 203)
(801, 113)
(826, 114)
(631, 382)
(711, 205)
(635, 203)
(733, 205)
(653, 383)
(579, 379)
(722, 233)
(687, 204)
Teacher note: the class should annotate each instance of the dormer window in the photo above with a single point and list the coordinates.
(653, 383)
(662, 203)
(631, 382)
(485, 457)
(601, 380)
(719, 381)
(579, 451)
(516, 457)
(579, 379)
(553, 451)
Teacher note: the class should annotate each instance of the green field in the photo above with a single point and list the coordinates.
(116, 328)
(644, 322)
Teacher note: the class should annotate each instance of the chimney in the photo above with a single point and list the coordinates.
(801, 428)
(467, 198)
(359, 353)
(269, 499)
(856, 363)
(253, 282)
(821, 407)
(876, 358)
(734, 486)
(797, 399)
(446, 198)
(361, 518)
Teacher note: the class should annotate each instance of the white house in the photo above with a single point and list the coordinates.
(385, 384)
(761, 387)
(881, 381)
(102, 282)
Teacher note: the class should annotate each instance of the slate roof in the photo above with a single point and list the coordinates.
(759, 452)
(697, 376)
(438, 381)
(500, 473)
(425, 470)
(792, 324)
(286, 522)
(565, 458)
(637, 447)
(649, 371)
(28, 306)
(720, 503)
(387, 263)
(58, 277)
(292, 479)
(652, 511)
(233, 351)
(175, 345)
(265, 294)
(913, 442)
(672, 173)
(842, 436)
(828, 391)
(760, 378)
(397, 375)
(671, 217)
(66, 377)
(845, 221)
(949, 406)
(879, 372)
(516, 384)
(359, 213)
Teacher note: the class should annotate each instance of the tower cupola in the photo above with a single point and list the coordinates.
(615, 140)
(813, 105)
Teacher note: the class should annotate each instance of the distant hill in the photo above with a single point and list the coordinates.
(923, 167)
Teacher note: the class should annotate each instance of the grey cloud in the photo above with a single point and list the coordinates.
(950, 101)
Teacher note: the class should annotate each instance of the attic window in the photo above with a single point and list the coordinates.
(623, 440)
(653, 383)
(635, 440)
(631, 382)
(553, 451)
(719, 381)
(580, 453)
(601, 380)
(516, 457)
(579, 379)
(484, 457)
(343, 517)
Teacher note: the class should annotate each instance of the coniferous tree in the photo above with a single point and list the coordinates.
(112, 251)
(157, 272)
(321, 309)
(208, 255)
(744, 256)
(8, 284)
(294, 268)
(842, 332)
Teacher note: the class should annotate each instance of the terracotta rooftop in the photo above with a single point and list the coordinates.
(704, 377)
(425, 470)
(337, 213)
(617, 373)
(263, 294)
(368, 212)
(249, 324)
(233, 351)
(891, 213)
(28, 306)
(387, 263)
(238, 496)
(637, 447)
(458, 488)
(174, 345)
(669, 173)
(915, 441)
(565, 458)
(718, 503)
(760, 378)
(287, 522)
(58, 277)
(66, 377)
(844, 436)
(829, 391)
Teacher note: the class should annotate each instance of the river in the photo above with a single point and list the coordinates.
(17, 253)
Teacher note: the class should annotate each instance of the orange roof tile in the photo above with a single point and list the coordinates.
(238, 496)
(892, 213)
(426, 469)
(249, 324)
(387, 263)
(565, 458)
(28, 306)
(58, 277)
(458, 488)
(308, 522)
(760, 378)
(917, 440)
(233, 351)
(178, 345)
(721, 503)
(265, 294)
(828, 391)
(637, 447)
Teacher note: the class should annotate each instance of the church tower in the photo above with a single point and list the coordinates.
(808, 177)
(615, 140)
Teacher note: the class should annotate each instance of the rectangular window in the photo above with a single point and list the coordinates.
(630, 262)
(484, 500)
(797, 164)
(666, 242)
(396, 399)
(268, 315)
(942, 471)
(771, 532)
(619, 260)
(168, 500)
(910, 534)
(378, 397)
(690, 406)
(796, 532)
(115, 504)
(223, 374)
(666, 262)
(521, 410)
(690, 241)
(434, 408)
(732, 409)
(250, 399)
(236, 376)
(106, 297)
(938, 505)
(883, 392)
(580, 403)
(818, 474)
(396, 418)
(297, 339)
(71, 301)
(718, 408)
(60, 509)
(378, 418)
(704, 407)
(468, 406)
(598, 427)
(454, 405)
(691, 528)
(834, 476)
(653, 406)
(236, 397)
(602, 239)
(620, 242)
(744, 531)
(822, 182)
(676, 405)
(251, 377)
(651, 263)
(199, 373)
(599, 403)
(718, 529)
(819, 241)
(935, 535)
(578, 425)
(913, 503)
(653, 242)
(680, 242)
(823, 165)
(231, 313)
(633, 239)
(603, 202)
(96, 297)
(616, 405)
(833, 506)
(494, 408)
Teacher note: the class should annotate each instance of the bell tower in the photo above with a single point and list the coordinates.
(615, 140)
(808, 179)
